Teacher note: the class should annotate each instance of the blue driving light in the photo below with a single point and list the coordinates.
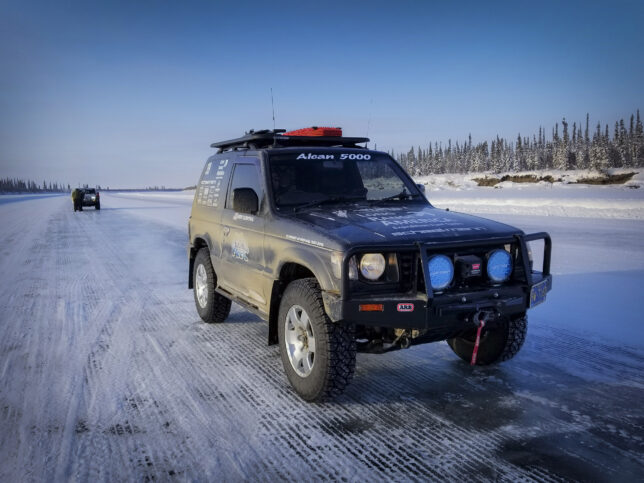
(499, 265)
(441, 271)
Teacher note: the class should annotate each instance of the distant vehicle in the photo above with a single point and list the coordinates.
(92, 198)
(339, 250)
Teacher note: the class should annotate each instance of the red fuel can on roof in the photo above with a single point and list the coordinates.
(316, 131)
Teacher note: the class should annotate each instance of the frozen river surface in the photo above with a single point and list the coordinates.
(107, 373)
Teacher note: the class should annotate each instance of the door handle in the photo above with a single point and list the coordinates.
(226, 231)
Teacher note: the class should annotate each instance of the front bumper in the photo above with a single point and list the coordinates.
(449, 312)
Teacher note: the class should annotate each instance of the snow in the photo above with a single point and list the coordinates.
(107, 373)
(460, 193)
(566, 179)
(13, 198)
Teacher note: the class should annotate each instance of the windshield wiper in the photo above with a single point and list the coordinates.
(403, 195)
(330, 199)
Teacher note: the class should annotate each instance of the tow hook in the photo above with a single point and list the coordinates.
(479, 318)
(403, 340)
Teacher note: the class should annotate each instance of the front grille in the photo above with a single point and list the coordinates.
(406, 266)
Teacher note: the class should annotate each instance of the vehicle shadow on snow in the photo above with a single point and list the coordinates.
(449, 387)
(238, 315)
(532, 388)
(241, 316)
(539, 411)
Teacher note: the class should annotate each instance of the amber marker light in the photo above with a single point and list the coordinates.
(372, 308)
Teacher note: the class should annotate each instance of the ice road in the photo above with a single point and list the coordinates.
(107, 373)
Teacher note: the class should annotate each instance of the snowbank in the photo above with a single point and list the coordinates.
(460, 192)
(563, 179)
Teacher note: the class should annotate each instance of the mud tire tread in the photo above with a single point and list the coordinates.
(218, 307)
(502, 344)
(517, 332)
(335, 368)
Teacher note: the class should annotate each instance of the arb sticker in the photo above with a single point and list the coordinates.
(405, 307)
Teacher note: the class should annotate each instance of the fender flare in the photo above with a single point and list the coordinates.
(192, 253)
(314, 262)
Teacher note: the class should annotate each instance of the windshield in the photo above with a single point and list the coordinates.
(307, 178)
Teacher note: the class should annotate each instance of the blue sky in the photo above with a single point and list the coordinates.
(133, 93)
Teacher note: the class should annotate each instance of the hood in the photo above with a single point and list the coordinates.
(400, 224)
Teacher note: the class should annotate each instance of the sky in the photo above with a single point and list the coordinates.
(132, 94)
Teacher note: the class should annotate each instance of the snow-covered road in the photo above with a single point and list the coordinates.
(107, 373)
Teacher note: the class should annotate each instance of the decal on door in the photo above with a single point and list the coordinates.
(239, 249)
(241, 216)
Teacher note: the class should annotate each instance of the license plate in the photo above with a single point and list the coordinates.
(538, 292)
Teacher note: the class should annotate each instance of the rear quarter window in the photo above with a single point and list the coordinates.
(213, 182)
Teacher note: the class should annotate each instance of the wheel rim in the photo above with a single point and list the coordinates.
(300, 340)
(201, 286)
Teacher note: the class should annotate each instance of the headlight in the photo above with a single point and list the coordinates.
(499, 265)
(372, 266)
(441, 271)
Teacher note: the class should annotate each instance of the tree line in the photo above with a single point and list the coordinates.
(573, 148)
(16, 185)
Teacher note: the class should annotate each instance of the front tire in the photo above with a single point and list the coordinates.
(213, 308)
(319, 356)
(498, 344)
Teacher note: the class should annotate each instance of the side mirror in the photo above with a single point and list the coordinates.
(421, 187)
(245, 201)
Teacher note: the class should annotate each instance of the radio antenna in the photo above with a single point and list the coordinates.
(369, 121)
(273, 107)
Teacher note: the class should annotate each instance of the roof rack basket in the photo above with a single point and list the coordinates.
(275, 139)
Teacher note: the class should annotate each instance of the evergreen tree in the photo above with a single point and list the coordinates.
(519, 163)
(598, 151)
(639, 142)
(560, 148)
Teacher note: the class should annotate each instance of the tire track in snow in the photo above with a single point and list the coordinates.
(129, 297)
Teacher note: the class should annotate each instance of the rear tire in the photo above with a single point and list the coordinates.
(213, 308)
(319, 356)
(498, 344)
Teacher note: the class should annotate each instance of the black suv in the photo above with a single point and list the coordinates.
(92, 198)
(339, 250)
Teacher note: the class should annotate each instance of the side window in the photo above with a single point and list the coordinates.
(244, 176)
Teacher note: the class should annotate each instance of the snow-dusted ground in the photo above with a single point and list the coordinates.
(107, 372)
(460, 193)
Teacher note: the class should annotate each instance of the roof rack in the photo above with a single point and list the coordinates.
(275, 139)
